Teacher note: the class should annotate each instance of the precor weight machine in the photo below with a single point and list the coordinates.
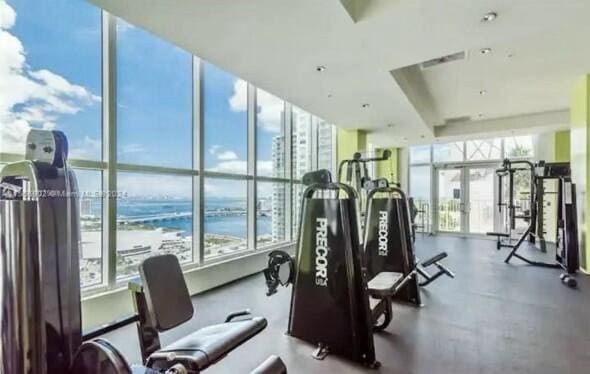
(40, 304)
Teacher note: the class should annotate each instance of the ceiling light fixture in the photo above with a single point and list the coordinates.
(320, 68)
(483, 92)
(329, 96)
(391, 125)
(365, 106)
(488, 17)
(485, 51)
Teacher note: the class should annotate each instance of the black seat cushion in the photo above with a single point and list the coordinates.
(435, 259)
(384, 284)
(166, 292)
(207, 345)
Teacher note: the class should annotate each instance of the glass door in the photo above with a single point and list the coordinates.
(481, 199)
(450, 205)
(466, 199)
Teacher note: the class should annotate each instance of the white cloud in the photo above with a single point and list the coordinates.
(264, 168)
(233, 167)
(225, 188)
(270, 108)
(227, 156)
(7, 16)
(87, 148)
(132, 148)
(214, 148)
(239, 100)
(30, 98)
(270, 111)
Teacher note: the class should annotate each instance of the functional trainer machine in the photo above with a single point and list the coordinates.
(40, 327)
(567, 255)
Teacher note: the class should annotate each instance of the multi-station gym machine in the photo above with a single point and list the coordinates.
(537, 216)
(40, 301)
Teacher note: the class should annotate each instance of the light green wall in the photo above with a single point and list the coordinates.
(579, 156)
(349, 142)
(562, 146)
(388, 169)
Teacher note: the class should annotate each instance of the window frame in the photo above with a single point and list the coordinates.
(109, 166)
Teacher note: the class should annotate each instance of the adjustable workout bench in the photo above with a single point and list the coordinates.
(162, 302)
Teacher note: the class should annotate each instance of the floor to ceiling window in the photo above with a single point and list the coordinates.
(54, 82)
(154, 212)
(172, 154)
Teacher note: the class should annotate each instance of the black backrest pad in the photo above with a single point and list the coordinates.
(166, 292)
(388, 242)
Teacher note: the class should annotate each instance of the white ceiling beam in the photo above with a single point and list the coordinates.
(543, 121)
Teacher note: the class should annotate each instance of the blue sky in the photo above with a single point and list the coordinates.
(154, 92)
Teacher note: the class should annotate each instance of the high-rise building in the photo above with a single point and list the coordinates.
(278, 190)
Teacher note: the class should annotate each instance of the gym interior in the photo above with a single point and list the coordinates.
(263, 186)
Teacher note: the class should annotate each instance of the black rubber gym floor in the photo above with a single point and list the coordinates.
(492, 318)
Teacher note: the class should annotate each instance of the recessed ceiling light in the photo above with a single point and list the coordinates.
(480, 115)
(390, 125)
(329, 96)
(488, 17)
(422, 136)
(510, 55)
(483, 92)
(320, 68)
(366, 105)
(485, 51)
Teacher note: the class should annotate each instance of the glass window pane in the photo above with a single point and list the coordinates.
(448, 152)
(488, 149)
(420, 191)
(301, 143)
(420, 154)
(270, 213)
(226, 226)
(225, 106)
(50, 73)
(325, 146)
(154, 100)
(90, 199)
(518, 146)
(270, 135)
(154, 216)
(296, 209)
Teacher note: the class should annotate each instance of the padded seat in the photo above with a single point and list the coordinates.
(206, 346)
(169, 305)
(435, 259)
(384, 284)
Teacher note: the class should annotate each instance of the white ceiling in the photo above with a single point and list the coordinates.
(277, 45)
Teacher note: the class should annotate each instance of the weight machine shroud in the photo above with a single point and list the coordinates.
(336, 316)
(400, 251)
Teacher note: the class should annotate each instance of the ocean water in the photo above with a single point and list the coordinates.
(234, 225)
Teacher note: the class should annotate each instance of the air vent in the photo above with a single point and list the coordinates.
(450, 121)
(443, 60)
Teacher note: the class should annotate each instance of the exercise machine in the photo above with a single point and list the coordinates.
(567, 249)
(504, 239)
(330, 305)
(389, 241)
(41, 325)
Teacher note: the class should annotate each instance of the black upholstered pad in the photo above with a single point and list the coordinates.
(384, 283)
(207, 345)
(165, 290)
(434, 259)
